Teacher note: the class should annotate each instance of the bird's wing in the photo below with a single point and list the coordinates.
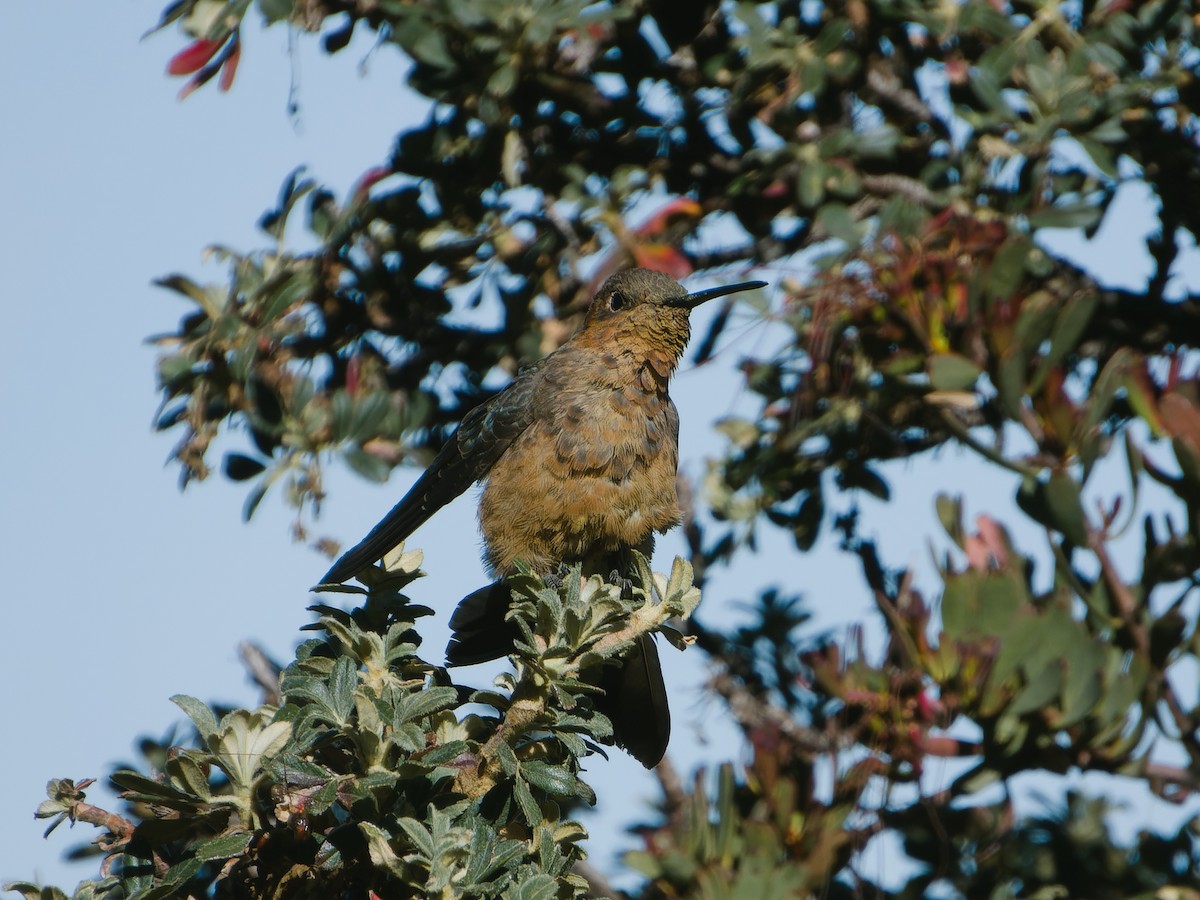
(484, 434)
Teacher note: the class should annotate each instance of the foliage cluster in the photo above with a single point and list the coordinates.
(367, 769)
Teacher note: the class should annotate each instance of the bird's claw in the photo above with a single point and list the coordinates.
(625, 584)
(556, 579)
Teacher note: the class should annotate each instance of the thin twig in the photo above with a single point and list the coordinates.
(598, 885)
(116, 825)
(1160, 774)
(751, 712)
(1127, 609)
(263, 671)
(1127, 606)
(964, 436)
(674, 793)
(903, 186)
(889, 87)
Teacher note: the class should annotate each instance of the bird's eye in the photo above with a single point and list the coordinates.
(616, 300)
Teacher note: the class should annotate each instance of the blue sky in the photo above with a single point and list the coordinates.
(121, 591)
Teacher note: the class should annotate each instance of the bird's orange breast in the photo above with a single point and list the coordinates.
(594, 473)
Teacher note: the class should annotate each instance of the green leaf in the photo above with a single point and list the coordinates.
(293, 189)
(1014, 366)
(536, 887)
(1069, 327)
(877, 143)
(960, 605)
(343, 681)
(554, 780)
(810, 185)
(1065, 506)
(741, 432)
(136, 786)
(445, 754)
(1140, 391)
(1035, 321)
(424, 42)
(1042, 690)
(183, 285)
(838, 222)
(418, 835)
(342, 408)
(370, 413)
(368, 465)
(1007, 270)
(503, 80)
(529, 807)
(276, 10)
(1019, 639)
(179, 874)
(1104, 387)
(507, 759)
(1002, 596)
(952, 372)
(423, 703)
(202, 717)
(1127, 675)
(137, 870)
(977, 779)
(285, 297)
(1031, 500)
(226, 846)
(1084, 685)
(680, 594)
(1066, 215)
(322, 212)
(380, 849)
(648, 864)
(1101, 155)
(949, 513)
(184, 768)
(267, 406)
(987, 88)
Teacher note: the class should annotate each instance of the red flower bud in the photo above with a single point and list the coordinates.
(193, 57)
(229, 68)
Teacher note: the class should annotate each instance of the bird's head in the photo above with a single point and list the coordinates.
(644, 295)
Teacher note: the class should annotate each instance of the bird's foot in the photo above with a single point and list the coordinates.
(558, 577)
(626, 585)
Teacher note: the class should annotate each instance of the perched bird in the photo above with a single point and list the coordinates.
(578, 457)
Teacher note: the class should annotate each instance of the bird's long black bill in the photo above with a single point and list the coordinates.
(691, 301)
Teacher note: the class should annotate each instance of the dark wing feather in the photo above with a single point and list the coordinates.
(485, 433)
(480, 629)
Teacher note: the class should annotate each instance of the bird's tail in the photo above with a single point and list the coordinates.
(480, 630)
(634, 698)
(635, 701)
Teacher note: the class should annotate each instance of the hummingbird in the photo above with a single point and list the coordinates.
(578, 458)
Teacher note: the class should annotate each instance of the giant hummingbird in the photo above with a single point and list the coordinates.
(578, 457)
